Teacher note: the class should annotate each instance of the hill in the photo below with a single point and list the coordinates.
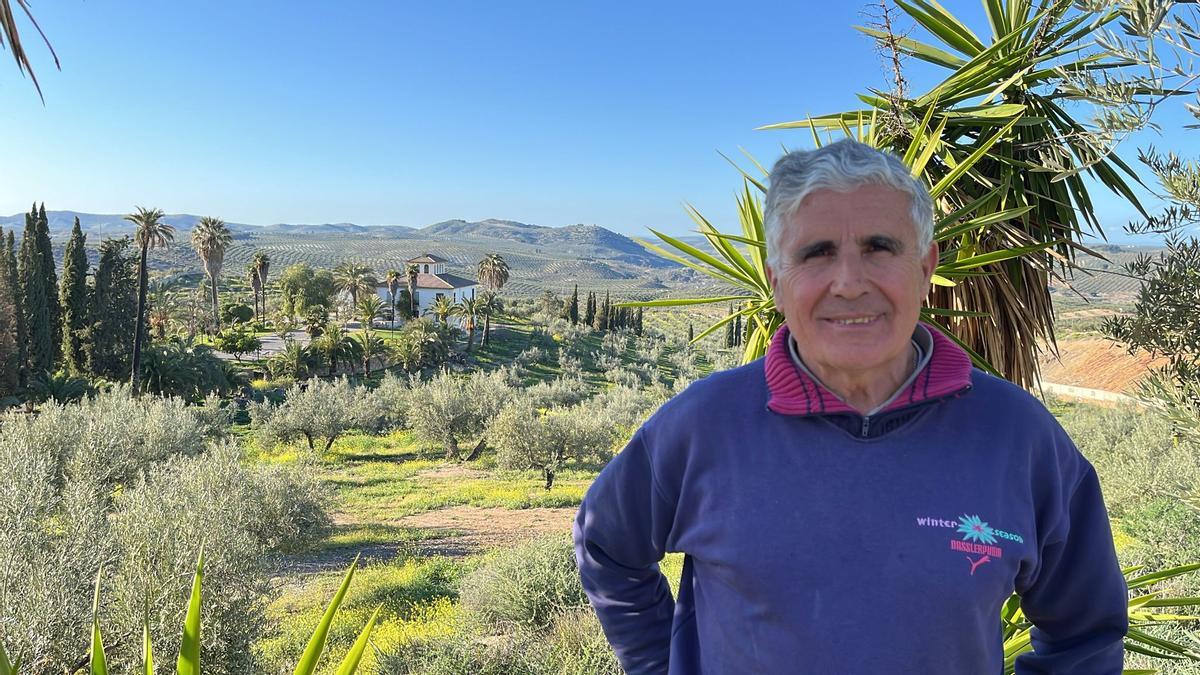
(540, 257)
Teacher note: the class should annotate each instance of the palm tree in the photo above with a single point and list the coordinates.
(210, 238)
(369, 309)
(368, 345)
(335, 345)
(493, 271)
(410, 272)
(9, 35)
(354, 279)
(161, 305)
(151, 233)
(441, 308)
(468, 309)
(489, 304)
(393, 285)
(262, 265)
(255, 287)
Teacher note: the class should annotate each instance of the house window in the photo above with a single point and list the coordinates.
(427, 269)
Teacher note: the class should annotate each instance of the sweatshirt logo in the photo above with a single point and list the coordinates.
(980, 541)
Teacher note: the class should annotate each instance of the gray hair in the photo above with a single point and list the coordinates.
(842, 166)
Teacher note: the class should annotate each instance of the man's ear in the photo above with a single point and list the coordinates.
(930, 262)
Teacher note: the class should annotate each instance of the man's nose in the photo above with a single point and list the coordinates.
(849, 280)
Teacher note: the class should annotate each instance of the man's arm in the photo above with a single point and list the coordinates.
(1077, 599)
(620, 535)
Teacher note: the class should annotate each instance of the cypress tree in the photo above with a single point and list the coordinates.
(729, 330)
(573, 307)
(601, 321)
(113, 312)
(73, 301)
(10, 352)
(40, 355)
(737, 332)
(50, 282)
(589, 309)
(638, 326)
(14, 286)
(691, 334)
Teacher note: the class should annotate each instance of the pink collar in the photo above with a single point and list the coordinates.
(793, 392)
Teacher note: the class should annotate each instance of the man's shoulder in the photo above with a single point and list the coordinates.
(734, 391)
(1000, 395)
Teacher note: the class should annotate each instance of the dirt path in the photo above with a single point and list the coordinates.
(455, 531)
(472, 529)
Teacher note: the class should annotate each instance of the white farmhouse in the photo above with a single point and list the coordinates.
(433, 282)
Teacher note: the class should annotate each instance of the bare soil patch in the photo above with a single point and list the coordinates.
(1096, 363)
(473, 529)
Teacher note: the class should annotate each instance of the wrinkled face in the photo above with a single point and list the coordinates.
(850, 280)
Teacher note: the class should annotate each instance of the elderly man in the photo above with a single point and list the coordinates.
(861, 500)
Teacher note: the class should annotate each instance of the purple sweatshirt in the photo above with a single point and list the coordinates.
(817, 540)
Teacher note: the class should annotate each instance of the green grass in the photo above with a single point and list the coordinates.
(378, 480)
(417, 597)
(381, 479)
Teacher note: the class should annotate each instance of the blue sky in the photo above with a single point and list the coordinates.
(412, 113)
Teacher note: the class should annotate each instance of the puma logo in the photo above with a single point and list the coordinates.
(976, 563)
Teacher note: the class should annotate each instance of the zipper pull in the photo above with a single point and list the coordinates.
(866, 425)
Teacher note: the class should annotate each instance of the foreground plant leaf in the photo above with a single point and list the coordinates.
(99, 665)
(189, 648)
(147, 649)
(316, 644)
(350, 663)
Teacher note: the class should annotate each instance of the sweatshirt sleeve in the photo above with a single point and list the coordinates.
(1076, 599)
(620, 535)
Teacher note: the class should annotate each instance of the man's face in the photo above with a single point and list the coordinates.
(850, 280)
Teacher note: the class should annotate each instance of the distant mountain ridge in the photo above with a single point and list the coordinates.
(583, 241)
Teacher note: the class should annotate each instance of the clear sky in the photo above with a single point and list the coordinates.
(406, 113)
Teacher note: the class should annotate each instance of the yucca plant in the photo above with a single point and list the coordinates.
(1002, 157)
(1044, 63)
(189, 650)
(1017, 638)
(740, 260)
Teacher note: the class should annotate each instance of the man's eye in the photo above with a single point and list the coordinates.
(815, 253)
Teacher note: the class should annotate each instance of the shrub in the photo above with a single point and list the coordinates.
(529, 356)
(128, 481)
(238, 514)
(449, 409)
(524, 614)
(1143, 471)
(527, 437)
(173, 369)
(557, 393)
(524, 587)
(389, 402)
(319, 411)
(237, 341)
(571, 366)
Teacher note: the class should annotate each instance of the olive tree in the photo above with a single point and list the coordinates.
(448, 409)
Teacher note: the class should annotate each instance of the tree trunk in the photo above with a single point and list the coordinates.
(212, 278)
(549, 473)
(487, 328)
(477, 450)
(309, 438)
(135, 371)
(329, 442)
(451, 448)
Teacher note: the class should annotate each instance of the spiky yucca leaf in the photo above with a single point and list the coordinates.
(316, 644)
(189, 648)
(96, 660)
(349, 664)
